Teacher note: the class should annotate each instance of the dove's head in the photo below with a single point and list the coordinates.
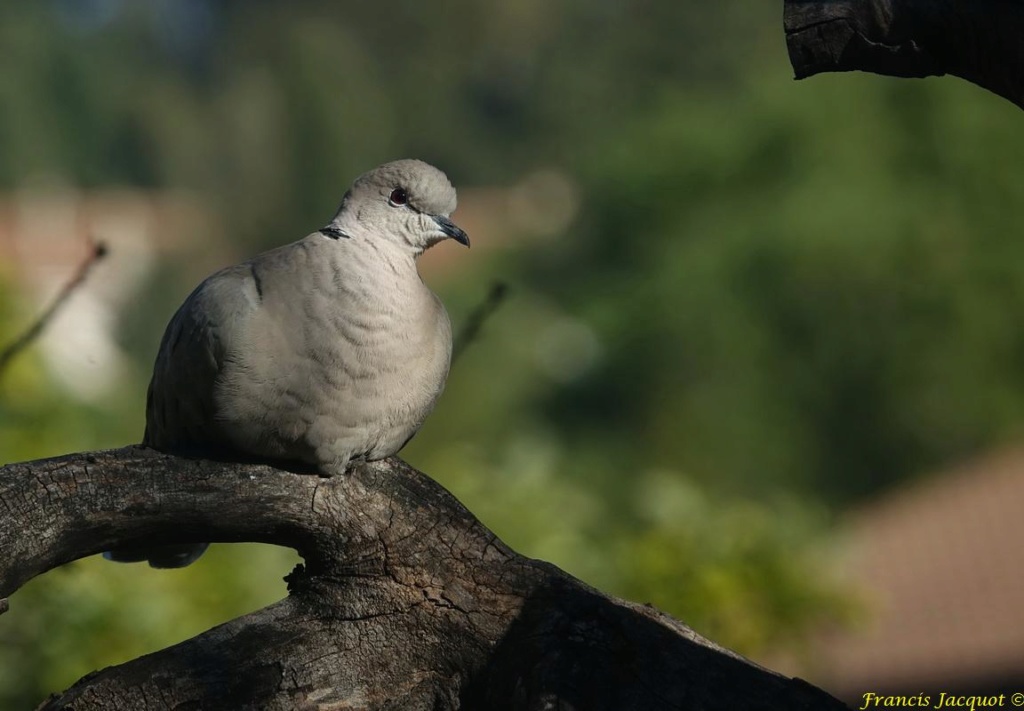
(407, 202)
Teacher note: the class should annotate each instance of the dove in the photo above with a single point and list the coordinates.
(326, 352)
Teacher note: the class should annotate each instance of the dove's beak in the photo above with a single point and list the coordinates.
(452, 230)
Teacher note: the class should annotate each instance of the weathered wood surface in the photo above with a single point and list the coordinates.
(405, 601)
(977, 40)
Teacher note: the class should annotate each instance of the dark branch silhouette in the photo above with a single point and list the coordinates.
(478, 317)
(979, 40)
(405, 600)
(98, 252)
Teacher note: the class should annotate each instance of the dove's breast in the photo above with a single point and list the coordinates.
(343, 357)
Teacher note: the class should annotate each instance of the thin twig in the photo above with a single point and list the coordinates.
(475, 321)
(98, 252)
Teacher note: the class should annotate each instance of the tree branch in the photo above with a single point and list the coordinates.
(405, 599)
(976, 40)
(7, 354)
(477, 318)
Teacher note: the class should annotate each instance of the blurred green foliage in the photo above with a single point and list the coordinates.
(776, 298)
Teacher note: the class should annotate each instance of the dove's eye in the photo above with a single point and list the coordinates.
(398, 197)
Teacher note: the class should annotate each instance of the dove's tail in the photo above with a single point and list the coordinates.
(159, 556)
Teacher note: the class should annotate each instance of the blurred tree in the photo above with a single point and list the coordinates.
(774, 295)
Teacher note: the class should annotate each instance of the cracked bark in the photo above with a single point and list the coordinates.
(977, 40)
(405, 600)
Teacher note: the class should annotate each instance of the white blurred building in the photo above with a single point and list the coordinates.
(46, 234)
